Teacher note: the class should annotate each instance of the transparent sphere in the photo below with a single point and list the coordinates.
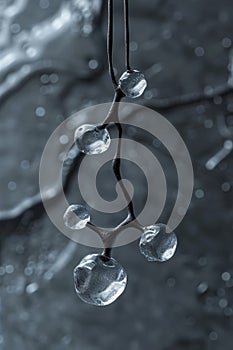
(76, 217)
(132, 83)
(157, 244)
(92, 139)
(99, 280)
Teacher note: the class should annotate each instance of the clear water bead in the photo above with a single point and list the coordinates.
(99, 280)
(157, 244)
(76, 217)
(92, 139)
(132, 83)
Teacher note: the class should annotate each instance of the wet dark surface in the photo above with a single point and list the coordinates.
(187, 303)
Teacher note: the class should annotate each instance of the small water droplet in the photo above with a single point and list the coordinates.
(226, 43)
(132, 83)
(12, 186)
(15, 28)
(223, 303)
(202, 288)
(64, 139)
(199, 51)
(99, 280)
(25, 164)
(157, 244)
(53, 78)
(93, 64)
(91, 139)
(32, 288)
(213, 336)
(226, 276)
(40, 112)
(76, 217)
(44, 4)
(9, 269)
(199, 193)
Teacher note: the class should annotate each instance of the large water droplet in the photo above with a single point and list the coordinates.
(76, 217)
(132, 83)
(92, 139)
(99, 280)
(157, 244)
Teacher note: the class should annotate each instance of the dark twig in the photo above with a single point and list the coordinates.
(110, 43)
(126, 25)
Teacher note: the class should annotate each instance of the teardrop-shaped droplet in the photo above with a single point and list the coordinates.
(99, 280)
(76, 217)
(132, 83)
(92, 139)
(157, 244)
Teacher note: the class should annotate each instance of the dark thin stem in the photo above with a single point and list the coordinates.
(107, 252)
(111, 114)
(116, 163)
(126, 24)
(110, 44)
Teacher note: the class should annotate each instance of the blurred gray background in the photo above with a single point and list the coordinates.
(53, 63)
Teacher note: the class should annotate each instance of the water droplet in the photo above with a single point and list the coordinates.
(223, 303)
(64, 139)
(199, 193)
(199, 51)
(32, 288)
(9, 269)
(226, 187)
(44, 4)
(157, 244)
(54, 78)
(133, 83)
(76, 217)
(202, 287)
(226, 276)
(12, 186)
(91, 139)
(15, 28)
(93, 64)
(40, 112)
(213, 336)
(25, 164)
(133, 46)
(99, 280)
(226, 43)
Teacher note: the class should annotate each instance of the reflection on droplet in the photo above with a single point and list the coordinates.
(76, 217)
